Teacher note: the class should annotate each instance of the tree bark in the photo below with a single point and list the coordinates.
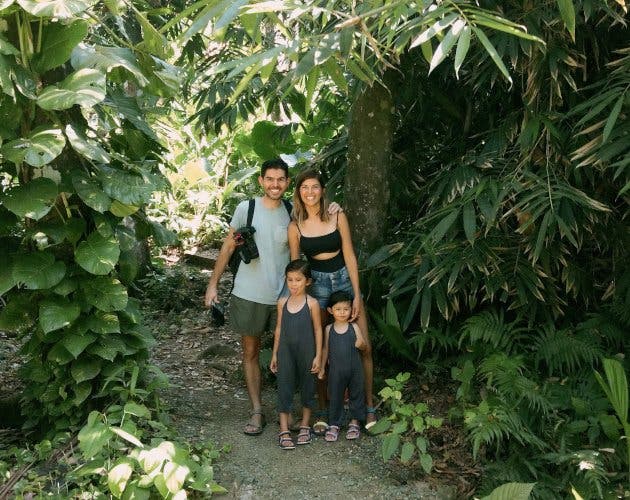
(367, 182)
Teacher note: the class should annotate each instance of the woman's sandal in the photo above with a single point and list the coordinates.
(353, 432)
(285, 441)
(304, 436)
(332, 434)
(252, 429)
(371, 411)
(320, 426)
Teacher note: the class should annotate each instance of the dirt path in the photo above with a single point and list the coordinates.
(210, 403)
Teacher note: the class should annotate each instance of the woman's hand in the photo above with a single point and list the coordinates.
(356, 308)
(315, 365)
(321, 374)
(273, 366)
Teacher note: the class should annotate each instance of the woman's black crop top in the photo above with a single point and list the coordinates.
(315, 245)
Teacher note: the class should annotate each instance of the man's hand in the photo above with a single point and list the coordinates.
(334, 208)
(212, 295)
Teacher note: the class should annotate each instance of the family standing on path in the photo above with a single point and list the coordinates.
(271, 293)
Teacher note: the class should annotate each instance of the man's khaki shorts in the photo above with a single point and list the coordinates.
(251, 318)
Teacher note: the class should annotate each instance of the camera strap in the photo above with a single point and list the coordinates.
(250, 217)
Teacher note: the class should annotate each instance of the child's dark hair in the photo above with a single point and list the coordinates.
(339, 296)
(299, 265)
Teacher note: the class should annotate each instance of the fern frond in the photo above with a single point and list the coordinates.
(564, 351)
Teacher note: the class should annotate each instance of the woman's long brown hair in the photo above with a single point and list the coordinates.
(299, 210)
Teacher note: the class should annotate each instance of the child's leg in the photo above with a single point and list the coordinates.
(356, 390)
(284, 421)
(306, 416)
(336, 389)
(286, 386)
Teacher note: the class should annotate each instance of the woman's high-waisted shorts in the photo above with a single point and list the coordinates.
(326, 283)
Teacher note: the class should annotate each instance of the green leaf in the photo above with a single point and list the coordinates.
(121, 210)
(511, 491)
(390, 314)
(90, 191)
(97, 255)
(76, 344)
(615, 387)
(462, 49)
(86, 87)
(426, 462)
(105, 293)
(433, 30)
(33, 200)
(425, 307)
(443, 226)
(137, 410)
(390, 445)
(162, 236)
(93, 436)
(445, 46)
(81, 392)
(612, 118)
(117, 477)
(335, 73)
(104, 322)
(60, 9)
(152, 41)
(86, 147)
(58, 41)
(492, 52)
(127, 436)
(384, 253)
(6, 277)
(38, 270)
(421, 444)
(567, 12)
(383, 425)
(6, 70)
(38, 149)
(85, 369)
(17, 315)
(56, 313)
(129, 188)
(406, 452)
(107, 347)
(105, 58)
(469, 221)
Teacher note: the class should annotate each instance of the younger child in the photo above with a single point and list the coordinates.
(297, 351)
(342, 343)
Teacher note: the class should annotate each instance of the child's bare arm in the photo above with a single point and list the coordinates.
(360, 343)
(322, 366)
(317, 329)
(273, 366)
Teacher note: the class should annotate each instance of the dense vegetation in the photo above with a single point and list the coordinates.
(499, 191)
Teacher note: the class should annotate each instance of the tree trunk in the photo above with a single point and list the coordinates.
(367, 189)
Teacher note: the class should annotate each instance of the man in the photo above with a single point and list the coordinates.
(258, 284)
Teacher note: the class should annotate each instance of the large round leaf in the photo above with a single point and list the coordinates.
(105, 58)
(105, 293)
(85, 369)
(107, 347)
(6, 277)
(57, 312)
(61, 9)
(17, 315)
(32, 200)
(38, 270)
(104, 322)
(38, 149)
(97, 254)
(128, 188)
(90, 192)
(76, 344)
(86, 147)
(71, 229)
(58, 40)
(86, 88)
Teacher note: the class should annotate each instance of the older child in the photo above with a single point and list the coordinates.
(342, 343)
(297, 350)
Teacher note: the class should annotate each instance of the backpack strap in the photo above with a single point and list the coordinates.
(250, 211)
(288, 206)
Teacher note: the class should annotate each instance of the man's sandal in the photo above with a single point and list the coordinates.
(354, 431)
(371, 412)
(320, 426)
(332, 434)
(285, 441)
(304, 436)
(252, 429)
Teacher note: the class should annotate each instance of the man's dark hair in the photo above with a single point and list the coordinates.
(339, 296)
(274, 163)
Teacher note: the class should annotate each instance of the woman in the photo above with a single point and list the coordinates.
(325, 241)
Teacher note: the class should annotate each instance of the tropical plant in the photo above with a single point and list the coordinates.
(78, 164)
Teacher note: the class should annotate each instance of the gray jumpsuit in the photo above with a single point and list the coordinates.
(295, 358)
(345, 371)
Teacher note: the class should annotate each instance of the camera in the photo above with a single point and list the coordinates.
(247, 249)
(218, 314)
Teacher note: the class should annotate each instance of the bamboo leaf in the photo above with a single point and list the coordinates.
(612, 118)
(462, 49)
(470, 221)
(446, 44)
(436, 28)
(492, 52)
(567, 12)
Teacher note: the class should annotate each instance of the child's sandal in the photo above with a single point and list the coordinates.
(320, 426)
(371, 418)
(304, 436)
(354, 431)
(285, 442)
(332, 434)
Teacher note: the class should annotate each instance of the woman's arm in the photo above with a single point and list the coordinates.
(313, 305)
(350, 260)
(294, 240)
(360, 343)
(273, 366)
